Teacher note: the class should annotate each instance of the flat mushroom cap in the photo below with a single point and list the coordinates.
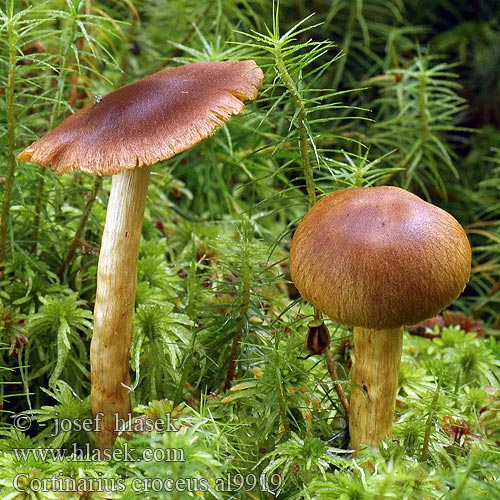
(379, 257)
(149, 120)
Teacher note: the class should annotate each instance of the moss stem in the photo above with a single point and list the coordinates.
(11, 133)
(301, 124)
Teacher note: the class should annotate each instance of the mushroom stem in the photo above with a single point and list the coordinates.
(377, 358)
(114, 304)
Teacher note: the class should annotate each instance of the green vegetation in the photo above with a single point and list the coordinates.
(355, 94)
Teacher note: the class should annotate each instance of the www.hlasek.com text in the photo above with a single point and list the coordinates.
(86, 453)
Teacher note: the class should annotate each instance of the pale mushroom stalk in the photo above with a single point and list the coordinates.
(114, 304)
(374, 384)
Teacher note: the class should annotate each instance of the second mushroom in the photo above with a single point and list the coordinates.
(376, 259)
(122, 134)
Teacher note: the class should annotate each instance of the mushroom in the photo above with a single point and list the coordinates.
(376, 259)
(122, 134)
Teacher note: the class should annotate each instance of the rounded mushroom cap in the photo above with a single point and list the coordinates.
(379, 257)
(149, 120)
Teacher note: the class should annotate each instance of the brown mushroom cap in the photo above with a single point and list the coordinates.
(150, 120)
(379, 257)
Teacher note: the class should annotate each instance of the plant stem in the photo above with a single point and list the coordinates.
(285, 426)
(311, 194)
(335, 379)
(301, 124)
(115, 300)
(429, 421)
(66, 72)
(377, 358)
(244, 306)
(81, 227)
(423, 107)
(37, 209)
(11, 135)
(231, 370)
